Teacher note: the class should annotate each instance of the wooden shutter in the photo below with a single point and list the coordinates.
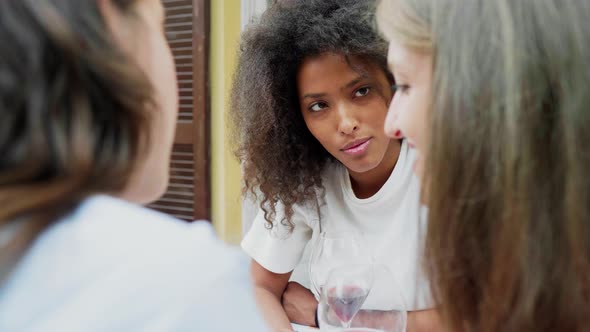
(187, 28)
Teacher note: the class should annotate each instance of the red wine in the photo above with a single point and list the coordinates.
(345, 302)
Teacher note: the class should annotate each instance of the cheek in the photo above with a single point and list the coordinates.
(319, 128)
(155, 58)
(317, 131)
(379, 110)
(391, 119)
(163, 76)
(409, 120)
(418, 120)
(157, 62)
(374, 114)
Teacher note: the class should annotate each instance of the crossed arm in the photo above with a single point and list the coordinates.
(268, 290)
(282, 302)
(300, 305)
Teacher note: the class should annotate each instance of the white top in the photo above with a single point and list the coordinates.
(113, 266)
(392, 222)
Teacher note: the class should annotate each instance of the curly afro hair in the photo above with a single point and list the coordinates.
(281, 159)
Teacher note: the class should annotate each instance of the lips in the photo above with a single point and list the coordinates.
(357, 147)
(355, 144)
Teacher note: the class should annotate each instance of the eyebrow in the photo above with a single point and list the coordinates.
(346, 86)
(355, 81)
(313, 95)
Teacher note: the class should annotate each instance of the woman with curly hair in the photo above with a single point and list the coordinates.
(310, 98)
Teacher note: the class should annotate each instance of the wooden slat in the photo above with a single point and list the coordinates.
(184, 133)
(187, 28)
(179, 29)
(179, 197)
(201, 24)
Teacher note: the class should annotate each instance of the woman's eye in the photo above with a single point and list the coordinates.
(403, 88)
(362, 92)
(316, 107)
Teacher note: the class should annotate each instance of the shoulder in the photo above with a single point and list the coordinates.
(118, 211)
(108, 233)
(131, 229)
(134, 265)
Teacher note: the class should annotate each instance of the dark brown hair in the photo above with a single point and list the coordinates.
(282, 160)
(507, 183)
(73, 113)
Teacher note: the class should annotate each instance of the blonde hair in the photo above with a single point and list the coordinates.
(508, 243)
(400, 22)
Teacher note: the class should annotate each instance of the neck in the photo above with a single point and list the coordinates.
(367, 184)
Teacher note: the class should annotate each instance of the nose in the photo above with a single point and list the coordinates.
(348, 123)
(392, 128)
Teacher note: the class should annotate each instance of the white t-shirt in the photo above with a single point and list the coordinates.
(392, 223)
(114, 266)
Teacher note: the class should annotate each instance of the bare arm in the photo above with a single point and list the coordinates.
(418, 321)
(424, 321)
(300, 304)
(268, 290)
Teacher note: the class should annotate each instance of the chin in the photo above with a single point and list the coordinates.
(156, 191)
(152, 196)
(147, 191)
(362, 167)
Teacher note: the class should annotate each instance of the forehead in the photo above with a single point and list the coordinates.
(404, 60)
(400, 57)
(331, 66)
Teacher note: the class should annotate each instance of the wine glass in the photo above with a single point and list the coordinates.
(383, 309)
(333, 249)
(344, 292)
